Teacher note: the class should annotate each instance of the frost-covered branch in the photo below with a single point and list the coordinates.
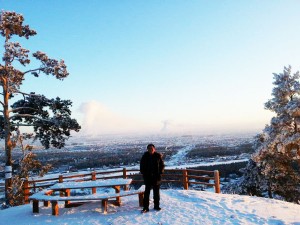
(28, 94)
(29, 116)
(33, 71)
(22, 108)
(14, 51)
(22, 125)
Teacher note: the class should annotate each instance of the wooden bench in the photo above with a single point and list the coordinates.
(46, 197)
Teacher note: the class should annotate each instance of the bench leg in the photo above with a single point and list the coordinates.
(67, 194)
(104, 205)
(54, 208)
(141, 199)
(118, 199)
(46, 203)
(35, 206)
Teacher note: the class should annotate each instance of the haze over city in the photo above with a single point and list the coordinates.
(164, 66)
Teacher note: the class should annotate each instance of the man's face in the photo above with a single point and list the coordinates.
(151, 150)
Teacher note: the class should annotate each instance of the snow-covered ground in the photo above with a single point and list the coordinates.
(179, 157)
(178, 207)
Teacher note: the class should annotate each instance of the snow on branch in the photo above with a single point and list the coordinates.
(14, 51)
(51, 66)
(11, 23)
(29, 116)
(22, 108)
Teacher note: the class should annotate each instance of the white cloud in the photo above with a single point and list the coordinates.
(99, 119)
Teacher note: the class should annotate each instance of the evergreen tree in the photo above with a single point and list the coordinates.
(49, 118)
(274, 168)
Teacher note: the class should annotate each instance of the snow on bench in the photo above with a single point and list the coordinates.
(46, 196)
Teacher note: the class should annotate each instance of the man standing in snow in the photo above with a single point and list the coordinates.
(151, 167)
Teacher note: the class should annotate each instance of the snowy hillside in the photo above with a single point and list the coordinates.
(178, 207)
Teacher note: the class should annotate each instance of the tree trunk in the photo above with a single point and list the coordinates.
(7, 128)
(8, 143)
(270, 191)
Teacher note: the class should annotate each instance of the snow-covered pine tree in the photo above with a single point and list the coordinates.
(50, 118)
(274, 170)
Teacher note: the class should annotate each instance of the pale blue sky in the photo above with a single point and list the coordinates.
(202, 66)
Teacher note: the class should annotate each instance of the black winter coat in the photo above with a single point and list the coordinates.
(152, 166)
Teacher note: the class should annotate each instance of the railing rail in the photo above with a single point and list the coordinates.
(184, 177)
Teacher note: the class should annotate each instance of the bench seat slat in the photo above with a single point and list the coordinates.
(42, 197)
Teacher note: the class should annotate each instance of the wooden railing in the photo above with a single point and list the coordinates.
(184, 177)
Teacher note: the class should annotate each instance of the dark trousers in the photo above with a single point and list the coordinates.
(156, 195)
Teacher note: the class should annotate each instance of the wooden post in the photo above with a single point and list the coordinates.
(124, 173)
(185, 179)
(217, 181)
(67, 194)
(54, 208)
(34, 187)
(93, 175)
(26, 191)
(60, 180)
(46, 203)
(104, 205)
(126, 188)
(94, 190)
